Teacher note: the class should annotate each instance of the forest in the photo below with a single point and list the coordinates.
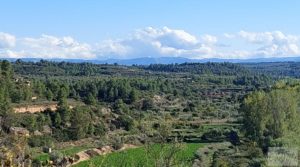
(211, 114)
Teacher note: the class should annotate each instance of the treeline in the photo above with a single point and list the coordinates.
(242, 76)
(17, 88)
(73, 79)
(49, 68)
(7, 85)
(275, 69)
(200, 68)
(124, 94)
(93, 90)
(273, 114)
(67, 123)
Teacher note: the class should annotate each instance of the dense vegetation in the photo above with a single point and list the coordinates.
(273, 114)
(245, 105)
(277, 69)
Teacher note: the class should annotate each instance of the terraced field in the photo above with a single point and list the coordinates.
(70, 151)
(142, 157)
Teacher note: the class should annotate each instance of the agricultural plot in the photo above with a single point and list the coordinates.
(143, 156)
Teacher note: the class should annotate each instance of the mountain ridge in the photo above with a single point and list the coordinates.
(162, 60)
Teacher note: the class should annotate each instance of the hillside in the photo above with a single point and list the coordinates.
(112, 105)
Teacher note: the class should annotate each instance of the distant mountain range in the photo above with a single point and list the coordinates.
(164, 60)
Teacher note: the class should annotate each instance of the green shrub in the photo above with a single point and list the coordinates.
(56, 156)
(126, 122)
(40, 141)
(117, 143)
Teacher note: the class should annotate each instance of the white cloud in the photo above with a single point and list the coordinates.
(7, 40)
(156, 42)
(230, 36)
(209, 39)
(111, 49)
(272, 44)
(276, 50)
(48, 46)
(268, 37)
(153, 42)
(166, 36)
(256, 38)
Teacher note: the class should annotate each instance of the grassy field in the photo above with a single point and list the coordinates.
(65, 152)
(141, 157)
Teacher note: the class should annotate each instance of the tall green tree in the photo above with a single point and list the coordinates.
(80, 121)
(90, 99)
(133, 96)
(270, 115)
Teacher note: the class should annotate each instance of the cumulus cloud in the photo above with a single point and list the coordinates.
(166, 36)
(48, 46)
(209, 39)
(275, 50)
(155, 42)
(272, 44)
(7, 40)
(268, 37)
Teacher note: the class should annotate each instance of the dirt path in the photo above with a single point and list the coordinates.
(35, 108)
(87, 154)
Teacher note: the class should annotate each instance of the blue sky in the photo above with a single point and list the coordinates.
(113, 28)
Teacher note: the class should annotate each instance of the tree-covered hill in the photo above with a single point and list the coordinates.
(276, 69)
(201, 68)
(88, 69)
(115, 104)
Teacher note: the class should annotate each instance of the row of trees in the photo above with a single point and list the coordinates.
(88, 69)
(105, 90)
(272, 114)
(135, 82)
(7, 84)
(200, 68)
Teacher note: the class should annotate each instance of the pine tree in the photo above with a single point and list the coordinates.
(133, 96)
(90, 99)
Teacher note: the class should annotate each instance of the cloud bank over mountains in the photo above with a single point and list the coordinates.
(155, 42)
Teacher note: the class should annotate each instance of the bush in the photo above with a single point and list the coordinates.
(117, 143)
(99, 129)
(29, 122)
(132, 139)
(213, 135)
(36, 163)
(100, 143)
(147, 104)
(39, 141)
(56, 157)
(126, 122)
